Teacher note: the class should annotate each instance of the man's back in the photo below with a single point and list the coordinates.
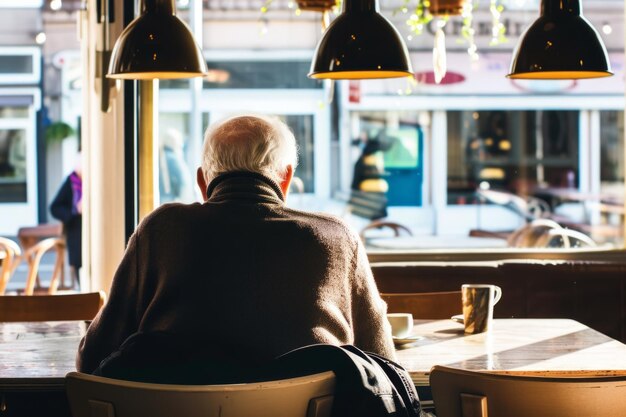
(246, 272)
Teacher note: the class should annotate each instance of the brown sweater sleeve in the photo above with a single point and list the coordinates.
(372, 331)
(119, 317)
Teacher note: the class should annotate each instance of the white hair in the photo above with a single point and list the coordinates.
(251, 143)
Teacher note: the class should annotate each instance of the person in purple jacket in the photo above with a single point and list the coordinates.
(67, 207)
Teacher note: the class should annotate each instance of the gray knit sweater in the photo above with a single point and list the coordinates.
(246, 272)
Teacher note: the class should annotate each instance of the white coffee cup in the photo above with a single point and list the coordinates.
(401, 324)
(478, 301)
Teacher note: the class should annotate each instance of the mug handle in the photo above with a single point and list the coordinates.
(498, 294)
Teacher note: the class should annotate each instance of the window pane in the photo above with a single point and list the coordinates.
(387, 157)
(12, 166)
(176, 176)
(302, 128)
(610, 204)
(512, 151)
(252, 75)
(9, 112)
(612, 150)
(16, 64)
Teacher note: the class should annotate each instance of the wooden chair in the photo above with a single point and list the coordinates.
(29, 236)
(35, 242)
(307, 396)
(427, 305)
(11, 255)
(380, 224)
(460, 393)
(82, 306)
(32, 256)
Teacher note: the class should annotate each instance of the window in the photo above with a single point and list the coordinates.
(519, 152)
(12, 166)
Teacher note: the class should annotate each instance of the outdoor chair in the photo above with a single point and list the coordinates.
(426, 305)
(33, 256)
(11, 253)
(33, 246)
(56, 307)
(460, 393)
(307, 396)
(35, 241)
(545, 233)
(381, 224)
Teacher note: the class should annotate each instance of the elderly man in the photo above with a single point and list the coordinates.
(241, 270)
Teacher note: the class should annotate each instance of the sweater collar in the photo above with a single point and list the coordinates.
(245, 185)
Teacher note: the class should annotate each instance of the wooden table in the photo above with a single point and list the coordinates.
(34, 357)
(555, 347)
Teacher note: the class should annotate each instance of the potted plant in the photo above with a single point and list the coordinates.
(57, 131)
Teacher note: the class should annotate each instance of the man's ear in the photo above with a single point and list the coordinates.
(201, 183)
(284, 184)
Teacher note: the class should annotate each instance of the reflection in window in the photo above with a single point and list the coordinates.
(508, 174)
(176, 176)
(387, 148)
(610, 204)
(612, 150)
(302, 128)
(12, 166)
(513, 151)
(8, 112)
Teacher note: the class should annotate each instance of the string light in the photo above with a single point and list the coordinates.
(497, 27)
(56, 5)
(41, 38)
(468, 31)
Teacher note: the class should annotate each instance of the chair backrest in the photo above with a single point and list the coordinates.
(82, 306)
(425, 305)
(30, 235)
(11, 253)
(33, 257)
(528, 235)
(307, 396)
(566, 238)
(459, 393)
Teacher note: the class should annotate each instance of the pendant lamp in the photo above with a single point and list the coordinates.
(560, 44)
(156, 45)
(360, 44)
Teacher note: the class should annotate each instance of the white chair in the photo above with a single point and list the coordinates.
(460, 393)
(307, 396)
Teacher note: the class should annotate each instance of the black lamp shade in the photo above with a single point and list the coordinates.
(560, 44)
(157, 44)
(360, 44)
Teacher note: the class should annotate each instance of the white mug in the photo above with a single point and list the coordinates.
(401, 324)
(478, 302)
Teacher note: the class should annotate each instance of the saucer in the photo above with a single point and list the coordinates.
(458, 318)
(399, 341)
